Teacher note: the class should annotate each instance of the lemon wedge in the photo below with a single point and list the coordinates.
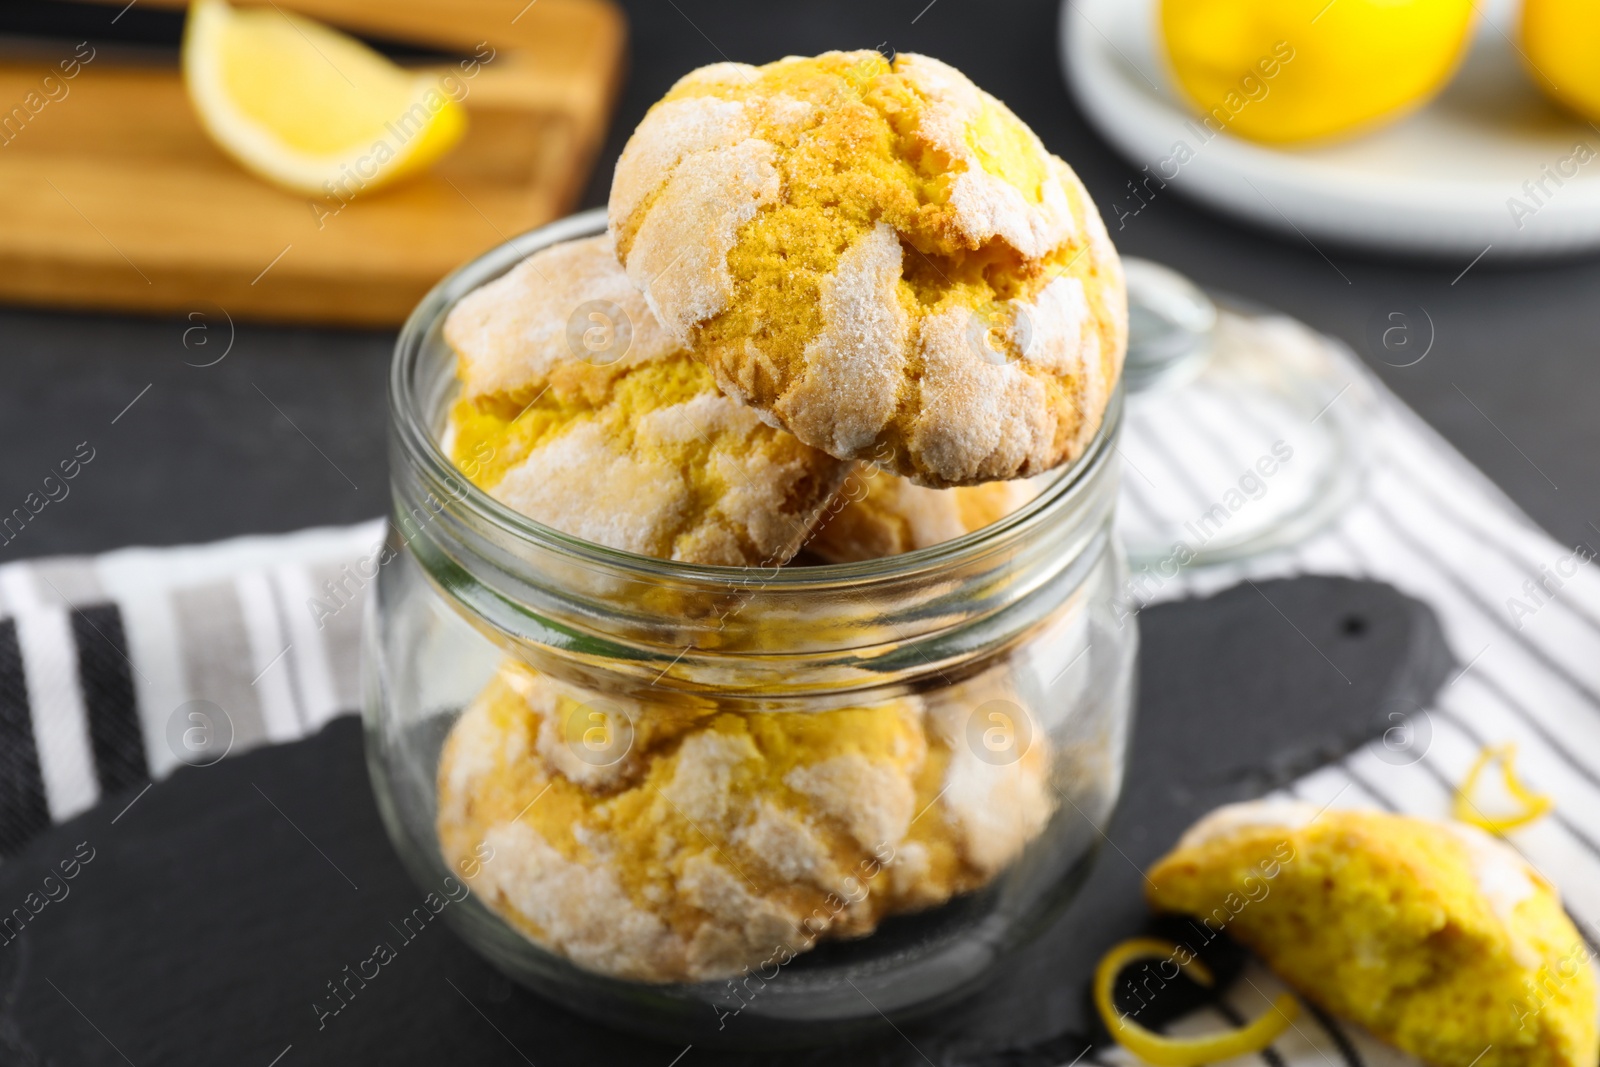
(309, 108)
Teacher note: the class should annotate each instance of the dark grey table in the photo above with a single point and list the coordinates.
(288, 430)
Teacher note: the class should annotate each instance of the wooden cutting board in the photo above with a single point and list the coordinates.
(113, 197)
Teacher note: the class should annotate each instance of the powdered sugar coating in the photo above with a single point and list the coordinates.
(511, 334)
(636, 449)
(720, 838)
(1435, 937)
(1502, 876)
(1275, 813)
(859, 348)
(682, 128)
(679, 255)
(987, 206)
(879, 514)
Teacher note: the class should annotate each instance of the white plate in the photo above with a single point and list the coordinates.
(1445, 180)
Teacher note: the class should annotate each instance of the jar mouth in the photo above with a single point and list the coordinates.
(415, 403)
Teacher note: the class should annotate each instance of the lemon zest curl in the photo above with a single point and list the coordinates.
(1534, 805)
(1163, 1051)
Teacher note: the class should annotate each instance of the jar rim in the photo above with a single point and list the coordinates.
(409, 421)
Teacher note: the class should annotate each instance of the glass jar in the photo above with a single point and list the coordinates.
(715, 803)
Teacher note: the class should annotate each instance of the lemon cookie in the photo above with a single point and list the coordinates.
(684, 844)
(1433, 935)
(881, 258)
(578, 410)
(879, 514)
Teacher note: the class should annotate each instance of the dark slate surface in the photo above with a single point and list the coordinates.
(1511, 378)
(212, 913)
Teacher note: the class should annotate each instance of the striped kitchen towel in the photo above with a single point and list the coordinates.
(113, 668)
(1520, 611)
(116, 668)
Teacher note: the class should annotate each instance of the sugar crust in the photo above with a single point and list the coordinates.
(1434, 935)
(637, 451)
(721, 839)
(887, 376)
(878, 514)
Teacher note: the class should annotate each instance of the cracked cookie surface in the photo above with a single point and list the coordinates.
(708, 839)
(881, 258)
(578, 410)
(1435, 936)
(879, 514)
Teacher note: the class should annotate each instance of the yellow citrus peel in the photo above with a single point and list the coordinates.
(1534, 805)
(1163, 1051)
(1561, 49)
(1288, 71)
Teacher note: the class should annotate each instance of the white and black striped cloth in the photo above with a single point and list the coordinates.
(101, 655)
(1522, 616)
(98, 654)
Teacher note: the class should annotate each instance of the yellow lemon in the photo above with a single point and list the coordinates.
(307, 107)
(1561, 43)
(1296, 70)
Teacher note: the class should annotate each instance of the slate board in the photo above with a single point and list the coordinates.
(217, 908)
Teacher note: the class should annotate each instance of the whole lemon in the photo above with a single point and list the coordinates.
(1296, 70)
(1561, 43)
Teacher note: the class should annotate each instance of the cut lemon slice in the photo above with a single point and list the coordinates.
(309, 108)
